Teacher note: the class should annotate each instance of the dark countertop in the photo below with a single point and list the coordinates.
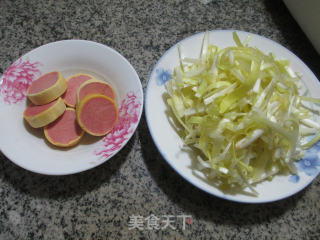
(98, 204)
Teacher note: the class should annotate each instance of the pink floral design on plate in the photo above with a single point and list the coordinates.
(16, 80)
(128, 118)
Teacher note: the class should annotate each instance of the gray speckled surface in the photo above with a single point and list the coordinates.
(97, 204)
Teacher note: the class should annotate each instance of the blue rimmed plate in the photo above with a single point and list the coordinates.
(169, 143)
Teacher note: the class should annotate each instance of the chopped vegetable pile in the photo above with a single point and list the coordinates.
(242, 109)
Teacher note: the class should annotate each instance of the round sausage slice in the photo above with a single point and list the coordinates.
(41, 115)
(73, 84)
(47, 88)
(94, 86)
(97, 114)
(65, 131)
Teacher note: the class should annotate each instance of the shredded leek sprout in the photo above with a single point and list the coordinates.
(241, 110)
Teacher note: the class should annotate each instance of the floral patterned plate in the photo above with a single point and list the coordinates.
(169, 143)
(27, 147)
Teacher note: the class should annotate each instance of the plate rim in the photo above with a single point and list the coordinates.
(195, 184)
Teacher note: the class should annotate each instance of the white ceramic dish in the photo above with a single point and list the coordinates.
(307, 16)
(169, 143)
(27, 147)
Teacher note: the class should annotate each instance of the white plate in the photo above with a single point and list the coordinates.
(27, 147)
(169, 143)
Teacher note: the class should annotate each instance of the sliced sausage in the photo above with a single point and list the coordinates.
(65, 131)
(47, 88)
(97, 114)
(41, 115)
(73, 84)
(94, 86)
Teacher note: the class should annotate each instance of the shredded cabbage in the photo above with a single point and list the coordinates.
(241, 111)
